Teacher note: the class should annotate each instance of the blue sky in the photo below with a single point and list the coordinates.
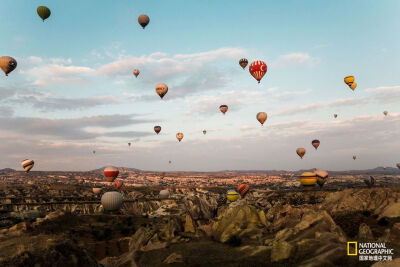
(73, 90)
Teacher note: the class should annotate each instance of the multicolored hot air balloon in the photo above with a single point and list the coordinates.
(223, 109)
(258, 69)
(335, 116)
(315, 143)
(136, 72)
(164, 194)
(232, 195)
(204, 132)
(43, 12)
(111, 173)
(179, 136)
(143, 20)
(308, 180)
(118, 183)
(262, 117)
(385, 113)
(243, 62)
(27, 164)
(111, 201)
(354, 157)
(96, 190)
(321, 177)
(301, 152)
(243, 189)
(161, 89)
(157, 129)
(7, 64)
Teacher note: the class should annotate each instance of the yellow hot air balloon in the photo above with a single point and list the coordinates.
(262, 117)
(353, 86)
(179, 136)
(143, 20)
(43, 12)
(7, 64)
(27, 164)
(301, 152)
(161, 89)
(232, 195)
(349, 80)
(308, 180)
(385, 113)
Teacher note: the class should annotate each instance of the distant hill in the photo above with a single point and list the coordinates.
(377, 170)
(128, 169)
(6, 170)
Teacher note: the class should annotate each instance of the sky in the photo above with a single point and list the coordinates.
(73, 90)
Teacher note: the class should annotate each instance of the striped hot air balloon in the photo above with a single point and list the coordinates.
(243, 62)
(232, 195)
(111, 201)
(118, 184)
(111, 173)
(258, 69)
(243, 189)
(27, 164)
(308, 180)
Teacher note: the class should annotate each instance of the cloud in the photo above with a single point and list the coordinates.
(385, 94)
(296, 59)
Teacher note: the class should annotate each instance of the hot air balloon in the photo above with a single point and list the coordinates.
(169, 162)
(232, 195)
(162, 175)
(179, 136)
(164, 194)
(354, 157)
(398, 165)
(7, 64)
(349, 80)
(308, 180)
(321, 177)
(301, 152)
(335, 116)
(243, 189)
(353, 86)
(43, 12)
(111, 173)
(157, 129)
(111, 201)
(94, 151)
(258, 69)
(129, 144)
(385, 113)
(223, 109)
(315, 143)
(204, 131)
(161, 89)
(369, 181)
(27, 164)
(96, 190)
(136, 72)
(243, 62)
(143, 20)
(262, 117)
(118, 184)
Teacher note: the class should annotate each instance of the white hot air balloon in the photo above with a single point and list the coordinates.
(111, 201)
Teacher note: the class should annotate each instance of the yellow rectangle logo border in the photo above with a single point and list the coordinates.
(348, 248)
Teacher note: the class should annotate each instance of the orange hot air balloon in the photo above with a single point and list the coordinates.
(385, 113)
(111, 173)
(353, 86)
(7, 64)
(143, 20)
(161, 89)
(262, 117)
(258, 69)
(157, 129)
(223, 109)
(243, 189)
(349, 80)
(27, 164)
(136, 72)
(204, 131)
(96, 190)
(301, 152)
(118, 184)
(315, 143)
(179, 136)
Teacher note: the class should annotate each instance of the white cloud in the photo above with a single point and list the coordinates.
(295, 59)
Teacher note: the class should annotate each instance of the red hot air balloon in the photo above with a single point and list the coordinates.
(258, 69)
(157, 129)
(118, 184)
(243, 189)
(315, 143)
(111, 173)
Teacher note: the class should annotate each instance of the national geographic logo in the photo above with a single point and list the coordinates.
(370, 251)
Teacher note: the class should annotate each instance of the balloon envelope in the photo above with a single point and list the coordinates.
(349, 80)
(232, 195)
(96, 190)
(385, 113)
(243, 62)
(164, 194)
(353, 86)
(258, 69)
(27, 164)
(315, 143)
(43, 12)
(301, 152)
(223, 109)
(136, 72)
(7, 64)
(335, 115)
(261, 117)
(354, 157)
(143, 20)
(112, 200)
(161, 89)
(179, 136)
(118, 184)
(111, 173)
(308, 180)
(204, 131)
(243, 189)
(157, 129)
